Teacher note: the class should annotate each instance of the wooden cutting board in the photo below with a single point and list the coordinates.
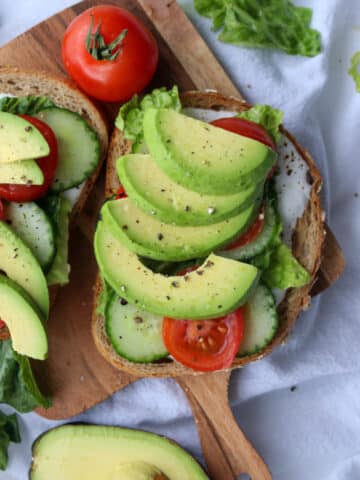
(75, 375)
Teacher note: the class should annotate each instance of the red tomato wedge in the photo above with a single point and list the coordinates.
(246, 129)
(48, 164)
(109, 53)
(2, 324)
(120, 193)
(250, 235)
(2, 211)
(205, 345)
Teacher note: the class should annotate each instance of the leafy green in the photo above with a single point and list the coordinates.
(130, 116)
(274, 24)
(28, 105)
(268, 117)
(18, 387)
(9, 432)
(354, 70)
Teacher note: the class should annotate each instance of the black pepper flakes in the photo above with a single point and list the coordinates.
(199, 272)
(160, 236)
(175, 284)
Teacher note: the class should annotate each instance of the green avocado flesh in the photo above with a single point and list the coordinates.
(25, 172)
(153, 191)
(203, 157)
(23, 320)
(147, 236)
(20, 140)
(216, 288)
(92, 452)
(20, 265)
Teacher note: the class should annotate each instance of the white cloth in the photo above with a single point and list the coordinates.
(314, 431)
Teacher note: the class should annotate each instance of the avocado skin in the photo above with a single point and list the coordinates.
(211, 170)
(153, 239)
(26, 308)
(114, 447)
(216, 288)
(176, 204)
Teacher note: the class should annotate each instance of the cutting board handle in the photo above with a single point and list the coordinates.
(227, 451)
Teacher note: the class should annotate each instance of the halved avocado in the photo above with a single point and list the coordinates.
(25, 172)
(23, 319)
(147, 236)
(153, 191)
(20, 265)
(203, 157)
(20, 140)
(96, 452)
(216, 288)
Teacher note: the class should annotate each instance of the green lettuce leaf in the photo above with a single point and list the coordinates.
(268, 117)
(354, 70)
(18, 387)
(9, 432)
(58, 209)
(274, 24)
(130, 116)
(28, 105)
(284, 270)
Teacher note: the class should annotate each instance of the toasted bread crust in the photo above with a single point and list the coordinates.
(306, 245)
(64, 93)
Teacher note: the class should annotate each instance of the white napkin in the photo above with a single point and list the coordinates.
(312, 431)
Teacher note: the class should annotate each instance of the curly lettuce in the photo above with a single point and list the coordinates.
(130, 116)
(28, 105)
(268, 117)
(9, 432)
(354, 70)
(276, 24)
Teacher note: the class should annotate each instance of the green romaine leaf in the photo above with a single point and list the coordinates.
(274, 24)
(130, 116)
(9, 432)
(18, 387)
(25, 105)
(354, 70)
(284, 270)
(268, 117)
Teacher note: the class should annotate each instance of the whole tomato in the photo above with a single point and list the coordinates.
(109, 53)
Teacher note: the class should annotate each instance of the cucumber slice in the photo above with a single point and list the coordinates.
(34, 228)
(258, 245)
(261, 321)
(135, 334)
(79, 147)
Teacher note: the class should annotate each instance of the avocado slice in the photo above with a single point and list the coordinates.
(153, 191)
(202, 157)
(20, 140)
(26, 172)
(97, 452)
(147, 236)
(216, 288)
(23, 319)
(20, 265)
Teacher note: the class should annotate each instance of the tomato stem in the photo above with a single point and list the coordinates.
(96, 45)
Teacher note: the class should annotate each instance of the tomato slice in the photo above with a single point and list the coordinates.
(245, 128)
(2, 324)
(48, 164)
(120, 193)
(250, 235)
(205, 345)
(2, 211)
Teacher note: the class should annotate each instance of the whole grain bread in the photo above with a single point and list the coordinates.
(307, 243)
(65, 94)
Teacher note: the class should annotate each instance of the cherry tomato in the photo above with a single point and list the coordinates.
(109, 53)
(2, 211)
(246, 128)
(250, 235)
(120, 193)
(48, 164)
(205, 345)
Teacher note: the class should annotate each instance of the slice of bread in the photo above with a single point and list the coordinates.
(65, 94)
(307, 243)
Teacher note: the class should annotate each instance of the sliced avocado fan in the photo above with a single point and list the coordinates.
(202, 157)
(156, 193)
(23, 319)
(216, 288)
(20, 140)
(95, 452)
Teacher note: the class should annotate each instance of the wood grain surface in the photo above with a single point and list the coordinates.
(75, 375)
